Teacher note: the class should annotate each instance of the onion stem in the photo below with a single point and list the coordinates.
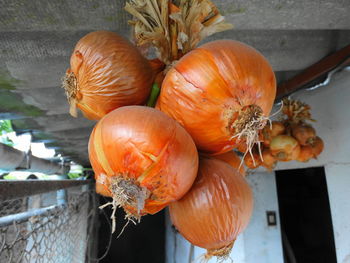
(154, 95)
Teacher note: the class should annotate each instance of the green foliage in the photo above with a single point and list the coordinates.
(5, 127)
(74, 175)
(10, 177)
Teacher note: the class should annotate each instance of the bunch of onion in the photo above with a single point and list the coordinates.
(286, 140)
(106, 72)
(222, 93)
(142, 159)
(216, 209)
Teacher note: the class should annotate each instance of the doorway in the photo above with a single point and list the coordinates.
(305, 216)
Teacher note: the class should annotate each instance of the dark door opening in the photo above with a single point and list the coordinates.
(305, 216)
(144, 242)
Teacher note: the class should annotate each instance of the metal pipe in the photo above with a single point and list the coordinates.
(24, 216)
(13, 189)
(12, 159)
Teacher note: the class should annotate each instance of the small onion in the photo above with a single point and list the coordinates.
(317, 146)
(221, 92)
(232, 159)
(216, 209)
(106, 72)
(142, 158)
(305, 134)
(276, 128)
(269, 161)
(306, 153)
(284, 148)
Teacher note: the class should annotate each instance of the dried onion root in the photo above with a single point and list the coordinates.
(249, 125)
(126, 192)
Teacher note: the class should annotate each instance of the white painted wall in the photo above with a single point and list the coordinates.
(263, 243)
(330, 106)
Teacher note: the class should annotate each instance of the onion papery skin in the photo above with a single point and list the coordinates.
(216, 209)
(145, 146)
(207, 89)
(110, 72)
(285, 148)
(232, 159)
(304, 134)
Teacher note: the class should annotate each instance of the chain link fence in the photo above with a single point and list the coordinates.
(52, 227)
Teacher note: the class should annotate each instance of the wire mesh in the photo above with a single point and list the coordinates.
(59, 234)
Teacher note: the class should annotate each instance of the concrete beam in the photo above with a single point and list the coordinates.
(42, 15)
(37, 65)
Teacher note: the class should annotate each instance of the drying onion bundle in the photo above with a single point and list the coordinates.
(216, 209)
(290, 138)
(142, 159)
(106, 72)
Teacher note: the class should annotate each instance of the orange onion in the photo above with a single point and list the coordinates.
(306, 153)
(106, 72)
(317, 146)
(305, 134)
(252, 160)
(216, 209)
(142, 159)
(285, 148)
(276, 128)
(269, 161)
(221, 92)
(232, 159)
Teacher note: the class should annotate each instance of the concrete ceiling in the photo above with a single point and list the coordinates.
(37, 38)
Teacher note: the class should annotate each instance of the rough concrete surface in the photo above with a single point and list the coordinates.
(37, 38)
